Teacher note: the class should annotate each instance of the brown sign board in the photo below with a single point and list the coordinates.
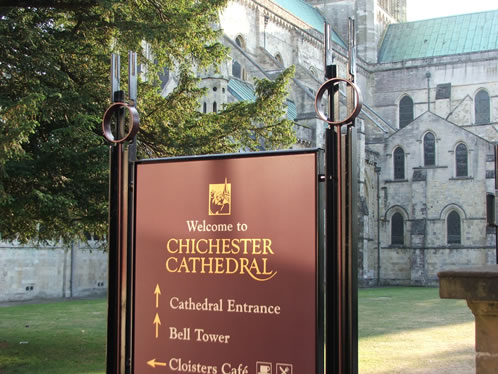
(226, 259)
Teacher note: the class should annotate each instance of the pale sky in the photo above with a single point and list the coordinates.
(424, 9)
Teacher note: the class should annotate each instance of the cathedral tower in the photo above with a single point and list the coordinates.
(372, 18)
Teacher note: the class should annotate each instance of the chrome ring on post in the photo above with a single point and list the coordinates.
(134, 122)
(329, 84)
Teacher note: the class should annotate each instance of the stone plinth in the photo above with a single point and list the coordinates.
(479, 286)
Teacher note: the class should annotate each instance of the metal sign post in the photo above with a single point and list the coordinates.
(119, 286)
(193, 266)
(226, 264)
(341, 335)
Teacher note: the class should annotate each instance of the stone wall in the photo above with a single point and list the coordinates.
(466, 74)
(52, 271)
(424, 198)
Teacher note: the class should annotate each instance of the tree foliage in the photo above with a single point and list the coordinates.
(54, 89)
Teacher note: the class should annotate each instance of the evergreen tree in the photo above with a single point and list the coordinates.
(54, 89)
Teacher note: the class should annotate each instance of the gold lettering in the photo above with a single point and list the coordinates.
(256, 244)
(201, 251)
(194, 261)
(265, 272)
(235, 266)
(234, 256)
(245, 245)
(175, 260)
(225, 246)
(168, 245)
(235, 246)
(212, 247)
(182, 246)
(183, 266)
(209, 265)
(219, 265)
(244, 262)
(267, 247)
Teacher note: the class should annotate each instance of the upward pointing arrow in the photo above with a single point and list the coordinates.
(157, 292)
(157, 322)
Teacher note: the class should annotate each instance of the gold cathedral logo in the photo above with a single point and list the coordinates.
(220, 199)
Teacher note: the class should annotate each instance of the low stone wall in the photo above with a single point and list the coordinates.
(52, 271)
(402, 266)
(55, 271)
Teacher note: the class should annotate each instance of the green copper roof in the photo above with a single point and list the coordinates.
(475, 32)
(304, 11)
(291, 110)
(242, 91)
(307, 13)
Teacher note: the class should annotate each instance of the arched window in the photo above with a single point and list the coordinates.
(429, 149)
(481, 107)
(399, 163)
(313, 71)
(405, 111)
(164, 77)
(397, 229)
(453, 228)
(461, 160)
(215, 107)
(204, 107)
(239, 40)
(279, 59)
(236, 69)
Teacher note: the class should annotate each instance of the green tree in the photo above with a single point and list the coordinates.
(54, 89)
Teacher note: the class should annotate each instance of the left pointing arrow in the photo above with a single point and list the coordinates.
(157, 322)
(155, 363)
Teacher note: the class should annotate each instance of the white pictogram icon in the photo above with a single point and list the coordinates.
(284, 369)
(264, 368)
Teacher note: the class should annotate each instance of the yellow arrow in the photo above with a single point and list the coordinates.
(157, 292)
(153, 363)
(157, 322)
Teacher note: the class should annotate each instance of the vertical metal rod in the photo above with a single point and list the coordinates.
(113, 295)
(120, 238)
(115, 75)
(332, 303)
(333, 329)
(131, 157)
(377, 171)
(341, 259)
(117, 262)
(322, 270)
(496, 199)
(118, 213)
(340, 246)
(350, 201)
(350, 254)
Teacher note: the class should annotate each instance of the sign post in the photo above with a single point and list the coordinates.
(121, 135)
(233, 264)
(341, 335)
(226, 264)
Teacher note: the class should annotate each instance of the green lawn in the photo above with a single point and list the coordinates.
(64, 337)
(413, 331)
(402, 330)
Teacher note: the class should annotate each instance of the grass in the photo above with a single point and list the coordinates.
(402, 330)
(64, 337)
(413, 331)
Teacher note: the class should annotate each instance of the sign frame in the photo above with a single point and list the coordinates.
(320, 261)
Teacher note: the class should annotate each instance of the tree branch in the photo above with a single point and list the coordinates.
(56, 4)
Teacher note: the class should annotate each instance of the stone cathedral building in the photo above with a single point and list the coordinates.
(426, 134)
